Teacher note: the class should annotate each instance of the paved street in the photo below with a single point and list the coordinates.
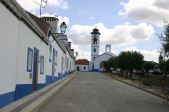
(94, 92)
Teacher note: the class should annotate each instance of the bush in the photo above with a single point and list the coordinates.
(155, 81)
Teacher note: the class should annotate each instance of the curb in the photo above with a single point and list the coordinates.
(153, 93)
(36, 100)
(35, 106)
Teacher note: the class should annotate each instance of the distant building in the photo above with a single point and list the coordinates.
(82, 65)
(97, 61)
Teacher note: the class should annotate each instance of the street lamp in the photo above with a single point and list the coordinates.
(76, 54)
(63, 27)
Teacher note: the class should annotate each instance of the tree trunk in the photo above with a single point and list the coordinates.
(127, 72)
(131, 74)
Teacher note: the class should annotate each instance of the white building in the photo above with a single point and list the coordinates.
(82, 65)
(31, 54)
(97, 61)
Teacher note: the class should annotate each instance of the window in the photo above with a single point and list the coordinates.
(41, 64)
(29, 60)
(56, 58)
(94, 50)
(70, 64)
(65, 61)
(67, 64)
(94, 40)
(50, 53)
(93, 58)
(62, 65)
(84, 68)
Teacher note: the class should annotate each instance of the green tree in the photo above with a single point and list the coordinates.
(148, 65)
(130, 60)
(164, 37)
(111, 63)
(164, 55)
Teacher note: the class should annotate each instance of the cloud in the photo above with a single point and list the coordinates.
(84, 55)
(32, 5)
(59, 3)
(162, 4)
(149, 55)
(64, 19)
(121, 35)
(29, 5)
(151, 11)
(81, 53)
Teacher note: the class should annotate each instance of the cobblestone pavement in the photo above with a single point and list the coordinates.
(95, 92)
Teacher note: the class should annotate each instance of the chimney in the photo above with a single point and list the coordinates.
(53, 21)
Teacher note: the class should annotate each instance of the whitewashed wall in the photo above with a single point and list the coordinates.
(81, 68)
(27, 38)
(99, 59)
(60, 55)
(15, 38)
(72, 65)
(9, 25)
(67, 62)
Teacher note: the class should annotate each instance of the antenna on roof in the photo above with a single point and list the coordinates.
(42, 6)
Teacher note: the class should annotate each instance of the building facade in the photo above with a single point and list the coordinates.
(95, 44)
(82, 65)
(97, 61)
(32, 56)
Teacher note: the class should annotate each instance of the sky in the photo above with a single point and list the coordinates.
(128, 25)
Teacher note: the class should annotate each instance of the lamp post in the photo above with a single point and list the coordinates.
(76, 54)
(63, 27)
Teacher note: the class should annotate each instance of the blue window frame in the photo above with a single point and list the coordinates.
(41, 64)
(29, 60)
(94, 50)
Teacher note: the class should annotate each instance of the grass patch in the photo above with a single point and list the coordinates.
(155, 80)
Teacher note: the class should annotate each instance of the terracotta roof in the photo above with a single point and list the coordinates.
(82, 62)
(42, 24)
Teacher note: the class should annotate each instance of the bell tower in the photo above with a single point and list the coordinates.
(95, 41)
(108, 48)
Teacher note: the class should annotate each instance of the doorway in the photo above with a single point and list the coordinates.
(35, 69)
(53, 64)
(77, 69)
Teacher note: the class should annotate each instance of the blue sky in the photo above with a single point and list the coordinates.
(125, 24)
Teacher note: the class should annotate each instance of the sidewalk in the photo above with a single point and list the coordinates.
(34, 101)
(153, 90)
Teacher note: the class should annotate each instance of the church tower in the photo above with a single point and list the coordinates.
(95, 41)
